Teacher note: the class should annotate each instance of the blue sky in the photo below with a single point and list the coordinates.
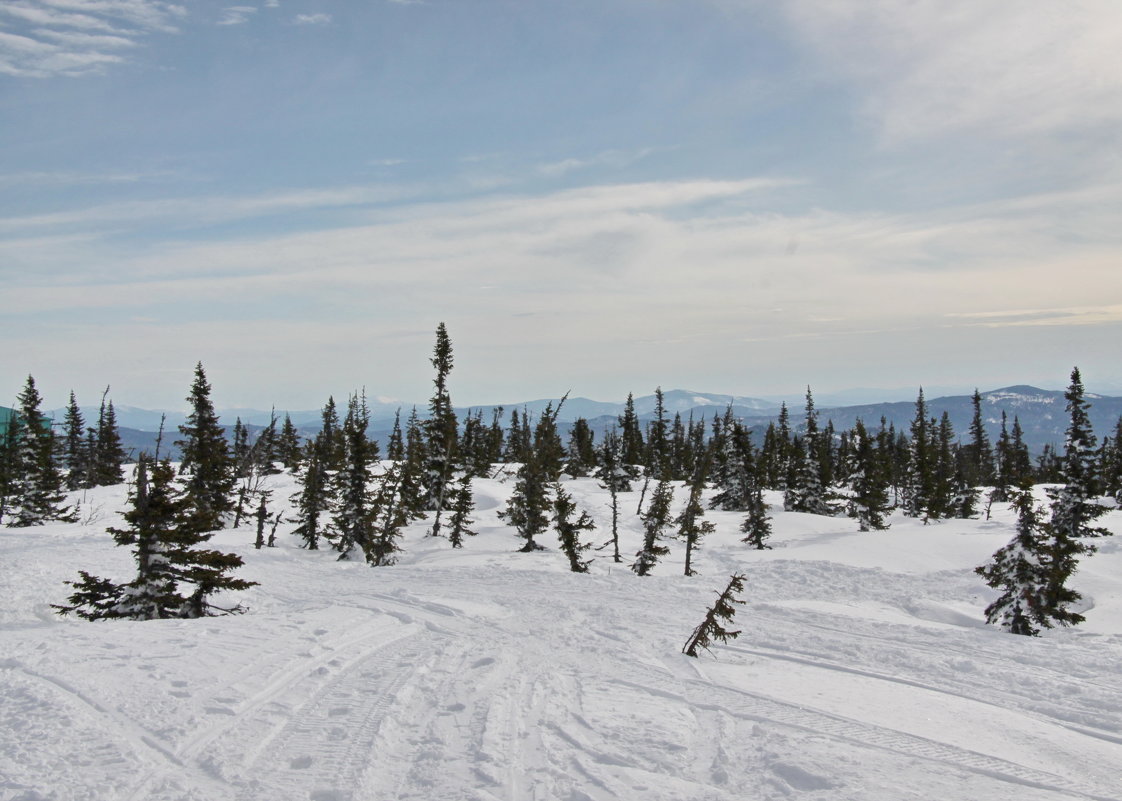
(726, 195)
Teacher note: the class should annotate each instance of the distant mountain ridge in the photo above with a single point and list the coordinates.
(1041, 413)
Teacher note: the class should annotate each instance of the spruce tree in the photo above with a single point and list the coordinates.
(920, 487)
(691, 527)
(288, 444)
(441, 431)
(655, 520)
(1073, 508)
(75, 456)
(333, 446)
(978, 453)
(36, 494)
(734, 468)
(109, 455)
(354, 508)
(869, 480)
(805, 491)
(1110, 467)
(206, 459)
(712, 628)
(658, 442)
(581, 457)
(529, 505)
(631, 436)
(756, 526)
(568, 530)
(313, 501)
(615, 478)
(1019, 571)
(175, 578)
(462, 505)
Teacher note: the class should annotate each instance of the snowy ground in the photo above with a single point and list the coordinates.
(863, 672)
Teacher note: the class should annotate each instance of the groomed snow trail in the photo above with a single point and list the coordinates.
(488, 675)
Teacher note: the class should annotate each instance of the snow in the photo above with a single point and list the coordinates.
(864, 671)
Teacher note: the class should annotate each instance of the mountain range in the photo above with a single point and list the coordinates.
(1041, 413)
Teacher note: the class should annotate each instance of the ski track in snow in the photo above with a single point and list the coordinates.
(485, 675)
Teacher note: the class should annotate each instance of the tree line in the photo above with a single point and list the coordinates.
(354, 501)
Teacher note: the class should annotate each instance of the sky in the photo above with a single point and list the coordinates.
(595, 196)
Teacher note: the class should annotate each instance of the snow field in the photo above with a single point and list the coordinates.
(864, 671)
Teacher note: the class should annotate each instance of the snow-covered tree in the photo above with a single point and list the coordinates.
(175, 577)
(869, 476)
(1019, 571)
(1073, 508)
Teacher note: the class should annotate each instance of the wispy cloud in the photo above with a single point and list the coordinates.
(236, 15)
(931, 67)
(77, 37)
(311, 19)
(1019, 318)
(608, 158)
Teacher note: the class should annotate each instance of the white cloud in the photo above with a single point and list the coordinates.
(930, 67)
(71, 37)
(236, 15)
(311, 19)
(671, 276)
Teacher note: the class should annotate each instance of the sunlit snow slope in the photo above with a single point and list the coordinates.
(863, 672)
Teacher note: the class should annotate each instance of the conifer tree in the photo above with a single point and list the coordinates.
(205, 459)
(332, 436)
(921, 464)
(978, 453)
(1019, 571)
(631, 436)
(734, 470)
(756, 526)
(712, 628)
(75, 457)
(1003, 478)
(354, 511)
(441, 430)
(869, 479)
(614, 477)
(462, 505)
(581, 456)
(288, 444)
(36, 493)
(655, 520)
(1073, 508)
(264, 452)
(691, 527)
(658, 443)
(314, 498)
(165, 532)
(109, 455)
(391, 515)
(568, 530)
(529, 505)
(805, 492)
(239, 450)
(1110, 468)
(411, 489)
(395, 445)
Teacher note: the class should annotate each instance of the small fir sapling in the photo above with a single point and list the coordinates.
(723, 609)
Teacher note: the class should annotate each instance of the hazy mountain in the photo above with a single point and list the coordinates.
(1040, 411)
